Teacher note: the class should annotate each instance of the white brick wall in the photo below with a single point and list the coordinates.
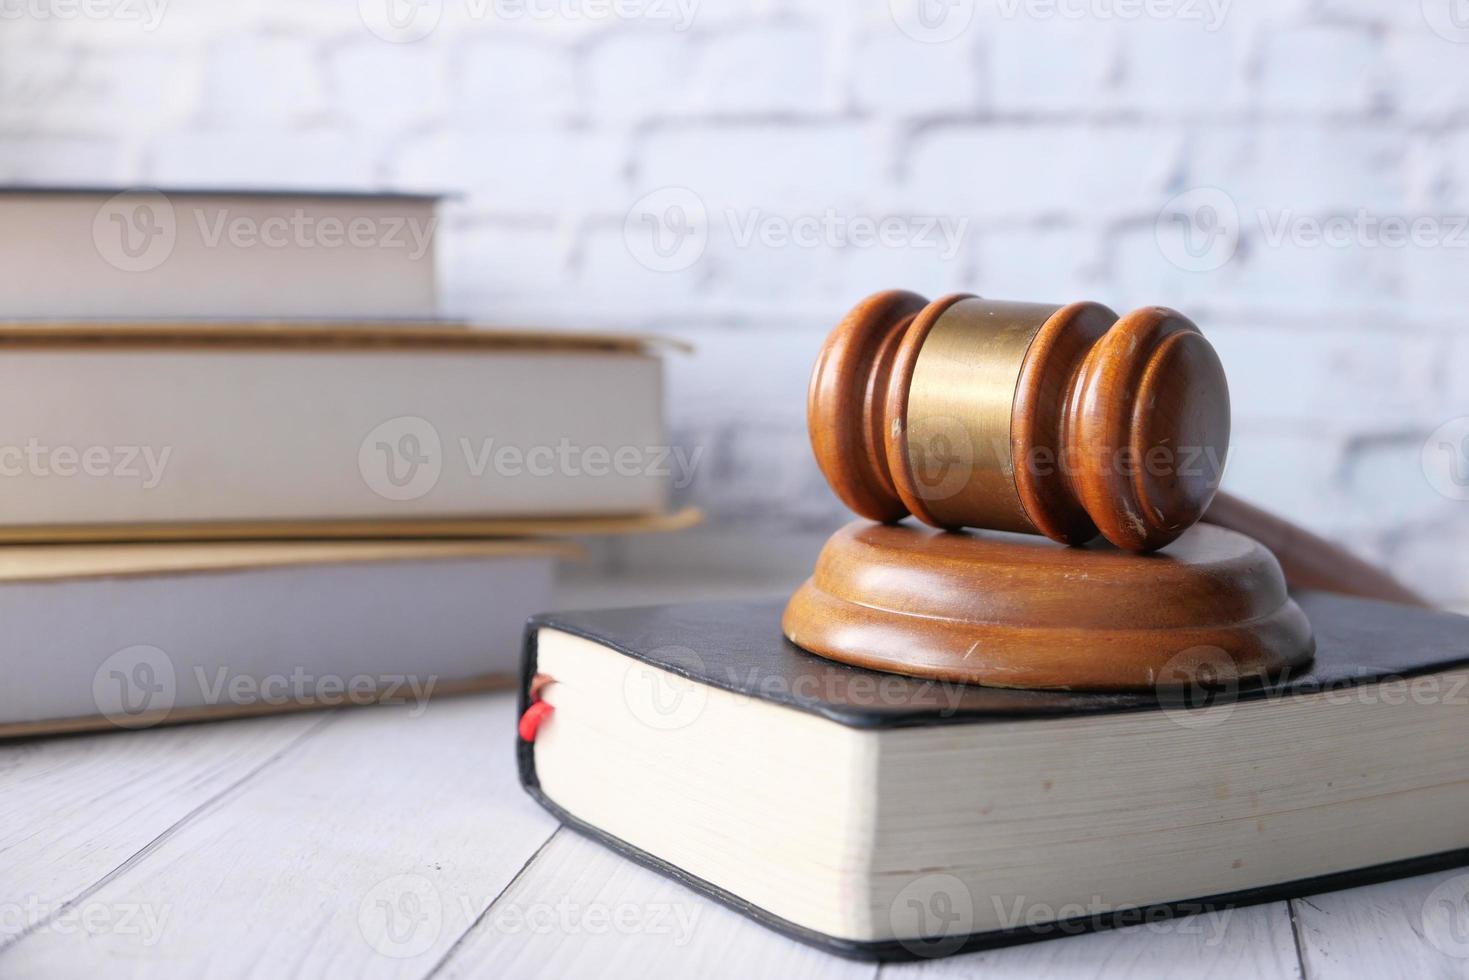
(1051, 133)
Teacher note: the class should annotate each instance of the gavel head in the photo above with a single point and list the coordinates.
(1060, 420)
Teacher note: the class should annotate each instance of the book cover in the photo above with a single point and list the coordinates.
(1366, 649)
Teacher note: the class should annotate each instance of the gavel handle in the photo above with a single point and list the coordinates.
(1309, 561)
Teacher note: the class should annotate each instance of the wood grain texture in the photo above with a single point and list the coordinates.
(893, 419)
(369, 855)
(844, 402)
(1038, 417)
(1244, 942)
(1413, 927)
(75, 811)
(1042, 418)
(1115, 425)
(579, 910)
(1014, 610)
(262, 838)
(1147, 429)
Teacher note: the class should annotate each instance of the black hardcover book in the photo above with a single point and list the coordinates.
(886, 817)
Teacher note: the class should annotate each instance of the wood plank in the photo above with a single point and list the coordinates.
(1244, 942)
(75, 810)
(367, 853)
(1413, 927)
(581, 910)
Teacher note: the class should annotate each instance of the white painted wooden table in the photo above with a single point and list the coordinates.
(395, 842)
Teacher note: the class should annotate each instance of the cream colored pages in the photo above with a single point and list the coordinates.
(129, 651)
(102, 434)
(139, 253)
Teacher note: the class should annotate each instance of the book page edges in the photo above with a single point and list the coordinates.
(406, 335)
(467, 531)
(223, 712)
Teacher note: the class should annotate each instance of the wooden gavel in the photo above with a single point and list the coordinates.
(1066, 421)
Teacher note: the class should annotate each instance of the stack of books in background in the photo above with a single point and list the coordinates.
(244, 465)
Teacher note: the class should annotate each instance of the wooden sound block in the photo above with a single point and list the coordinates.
(1016, 610)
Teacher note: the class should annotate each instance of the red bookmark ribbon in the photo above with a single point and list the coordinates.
(538, 712)
(530, 722)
